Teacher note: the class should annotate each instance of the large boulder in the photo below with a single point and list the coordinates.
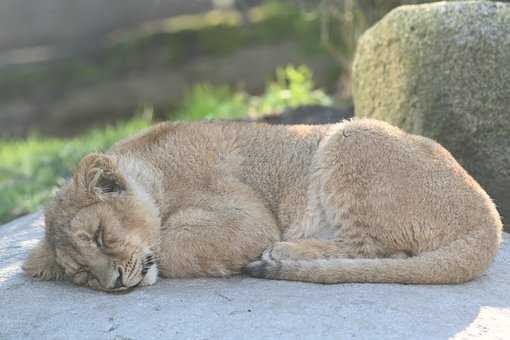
(442, 70)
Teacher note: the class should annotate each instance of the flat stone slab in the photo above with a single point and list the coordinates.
(246, 308)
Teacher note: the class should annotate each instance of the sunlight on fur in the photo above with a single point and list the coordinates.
(358, 201)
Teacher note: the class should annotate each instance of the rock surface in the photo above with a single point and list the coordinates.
(246, 308)
(442, 70)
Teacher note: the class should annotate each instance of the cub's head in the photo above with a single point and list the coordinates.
(102, 231)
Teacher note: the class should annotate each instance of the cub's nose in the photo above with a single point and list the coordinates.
(118, 282)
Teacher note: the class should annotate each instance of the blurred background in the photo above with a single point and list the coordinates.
(75, 76)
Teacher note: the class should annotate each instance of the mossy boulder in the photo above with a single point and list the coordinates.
(442, 70)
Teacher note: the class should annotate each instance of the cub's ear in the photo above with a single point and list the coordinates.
(98, 174)
(42, 264)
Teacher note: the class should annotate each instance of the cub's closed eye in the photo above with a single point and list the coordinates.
(98, 236)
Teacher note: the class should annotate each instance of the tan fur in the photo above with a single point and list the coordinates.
(359, 201)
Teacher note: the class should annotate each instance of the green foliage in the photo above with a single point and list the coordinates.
(31, 169)
(292, 87)
(208, 102)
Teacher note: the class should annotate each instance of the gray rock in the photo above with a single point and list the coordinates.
(246, 308)
(443, 70)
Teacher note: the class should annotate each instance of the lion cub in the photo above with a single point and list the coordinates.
(358, 201)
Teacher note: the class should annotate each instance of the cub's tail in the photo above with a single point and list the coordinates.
(462, 260)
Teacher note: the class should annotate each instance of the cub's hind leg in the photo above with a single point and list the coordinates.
(316, 249)
(310, 250)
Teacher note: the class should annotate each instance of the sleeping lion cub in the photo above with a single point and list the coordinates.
(358, 201)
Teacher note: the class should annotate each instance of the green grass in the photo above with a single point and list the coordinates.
(31, 169)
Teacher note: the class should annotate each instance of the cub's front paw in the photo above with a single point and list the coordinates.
(151, 276)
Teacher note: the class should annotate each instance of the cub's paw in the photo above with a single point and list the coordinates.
(263, 269)
(151, 276)
(269, 264)
(284, 251)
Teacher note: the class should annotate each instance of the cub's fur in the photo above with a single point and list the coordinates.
(359, 201)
